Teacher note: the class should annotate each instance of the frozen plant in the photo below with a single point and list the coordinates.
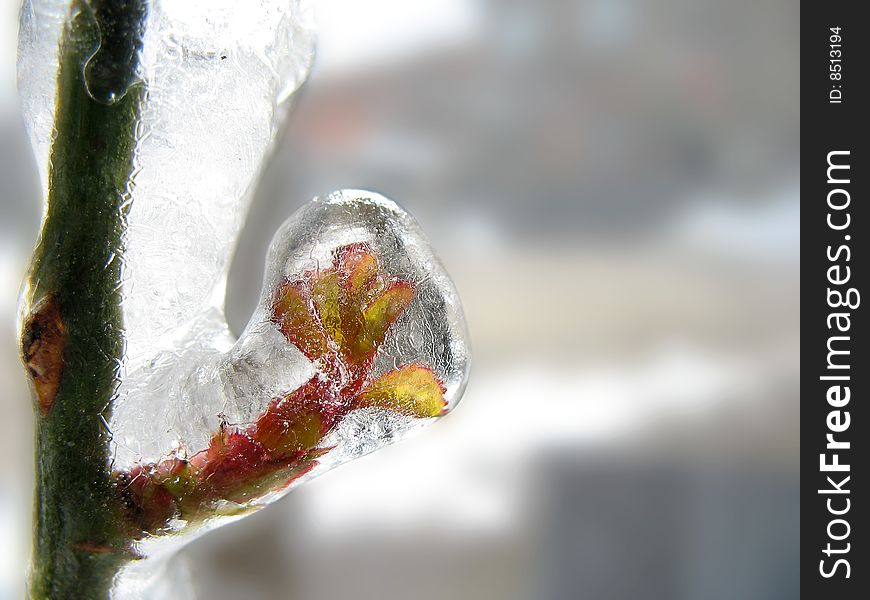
(150, 121)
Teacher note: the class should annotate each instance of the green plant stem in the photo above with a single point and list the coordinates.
(79, 540)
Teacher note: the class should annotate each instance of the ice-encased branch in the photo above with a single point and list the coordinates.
(151, 416)
(113, 99)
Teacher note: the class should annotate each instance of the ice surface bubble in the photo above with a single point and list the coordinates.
(359, 339)
(110, 70)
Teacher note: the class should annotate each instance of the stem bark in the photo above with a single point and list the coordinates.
(72, 337)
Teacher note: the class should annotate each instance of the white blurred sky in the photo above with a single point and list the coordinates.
(354, 33)
(8, 32)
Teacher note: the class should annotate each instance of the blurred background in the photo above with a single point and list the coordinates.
(613, 185)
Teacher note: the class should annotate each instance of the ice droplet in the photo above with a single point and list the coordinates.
(432, 329)
(110, 70)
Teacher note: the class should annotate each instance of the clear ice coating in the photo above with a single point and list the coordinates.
(359, 336)
(359, 339)
(217, 75)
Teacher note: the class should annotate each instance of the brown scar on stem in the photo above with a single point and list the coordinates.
(91, 548)
(42, 342)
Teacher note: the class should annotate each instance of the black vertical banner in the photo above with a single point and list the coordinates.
(834, 263)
